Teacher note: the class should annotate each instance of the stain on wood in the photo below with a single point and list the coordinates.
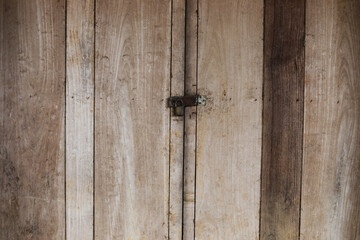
(32, 96)
(282, 119)
(230, 57)
(132, 83)
(79, 119)
(331, 171)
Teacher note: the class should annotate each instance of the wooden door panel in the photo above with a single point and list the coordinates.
(32, 110)
(283, 119)
(132, 83)
(331, 171)
(191, 28)
(230, 56)
(80, 119)
(177, 122)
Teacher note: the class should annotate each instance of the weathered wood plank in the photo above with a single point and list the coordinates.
(32, 96)
(177, 122)
(132, 79)
(79, 119)
(229, 126)
(331, 171)
(282, 119)
(190, 120)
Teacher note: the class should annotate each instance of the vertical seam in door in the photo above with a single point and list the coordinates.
(169, 170)
(262, 118)
(65, 92)
(94, 105)
(196, 109)
(184, 124)
(303, 122)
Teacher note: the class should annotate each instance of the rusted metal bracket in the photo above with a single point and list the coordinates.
(180, 102)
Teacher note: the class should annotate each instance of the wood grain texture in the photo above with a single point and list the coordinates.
(79, 119)
(283, 119)
(32, 95)
(331, 171)
(229, 126)
(177, 122)
(190, 120)
(132, 79)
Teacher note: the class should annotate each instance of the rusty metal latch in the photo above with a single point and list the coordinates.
(180, 102)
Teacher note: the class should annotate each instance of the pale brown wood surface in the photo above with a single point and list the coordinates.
(190, 120)
(32, 96)
(177, 122)
(230, 59)
(331, 171)
(132, 84)
(79, 119)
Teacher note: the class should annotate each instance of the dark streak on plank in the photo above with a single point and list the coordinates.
(282, 119)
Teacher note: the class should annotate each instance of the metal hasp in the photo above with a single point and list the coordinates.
(180, 102)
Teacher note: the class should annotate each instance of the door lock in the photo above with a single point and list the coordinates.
(180, 102)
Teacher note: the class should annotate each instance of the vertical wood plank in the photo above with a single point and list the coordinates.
(132, 79)
(177, 122)
(283, 118)
(331, 172)
(32, 95)
(79, 119)
(190, 120)
(229, 127)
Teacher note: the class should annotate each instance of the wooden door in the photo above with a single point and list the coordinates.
(91, 150)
